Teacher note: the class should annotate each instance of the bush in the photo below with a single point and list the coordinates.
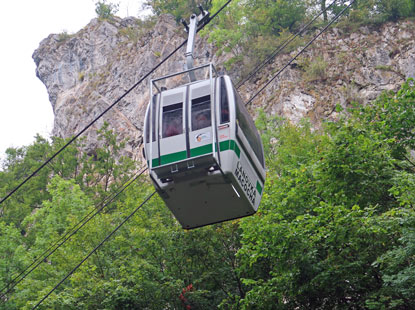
(63, 36)
(178, 8)
(394, 10)
(106, 10)
(316, 70)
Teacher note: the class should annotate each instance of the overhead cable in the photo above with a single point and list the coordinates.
(281, 47)
(80, 133)
(302, 51)
(93, 251)
(91, 123)
(107, 109)
(72, 231)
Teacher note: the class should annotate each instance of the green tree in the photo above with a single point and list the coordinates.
(274, 16)
(394, 10)
(11, 253)
(393, 116)
(397, 267)
(180, 9)
(106, 10)
(18, 165)
(334, 228)
(54, 200)
(323, 8)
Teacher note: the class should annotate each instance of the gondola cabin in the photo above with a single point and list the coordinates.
(204, 153)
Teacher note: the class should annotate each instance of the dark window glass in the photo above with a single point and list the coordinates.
(148, 126)
(224, 103)
(248, 128)
(154, 112)
(173, 120)
(201, 113)
(153, 120)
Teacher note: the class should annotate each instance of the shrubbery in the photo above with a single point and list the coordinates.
(106, 10)
(250, 30)
(334, 229)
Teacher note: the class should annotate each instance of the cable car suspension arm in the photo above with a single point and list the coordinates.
(196, 23)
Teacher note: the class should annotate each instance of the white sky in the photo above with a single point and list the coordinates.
(24, 105)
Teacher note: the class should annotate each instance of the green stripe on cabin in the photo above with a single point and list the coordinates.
(198, 151)
(201, 150)
(173, 157)
(225, 145)
(259, 188)
(236, 148)
(155, 162)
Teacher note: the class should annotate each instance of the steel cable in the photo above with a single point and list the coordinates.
(72, 231)
(107, 109)
(300, 52)
(93, 251)
(113, 198)
(281, 47)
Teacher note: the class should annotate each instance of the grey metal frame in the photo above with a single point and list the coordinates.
(190, 46)
(212, 78)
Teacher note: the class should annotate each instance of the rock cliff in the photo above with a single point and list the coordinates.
(87, 71)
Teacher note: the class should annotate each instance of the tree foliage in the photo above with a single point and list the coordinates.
(333, 231)
(335, 228)
(251, 30)
(180, 9)
(106, 10)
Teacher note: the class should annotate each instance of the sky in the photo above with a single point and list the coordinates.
(25, 109)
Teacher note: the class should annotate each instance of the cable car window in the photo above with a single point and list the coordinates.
(224, 103)
(148, 126)
(248, 127)
(201, 113)
(173, 120)
(153, 113)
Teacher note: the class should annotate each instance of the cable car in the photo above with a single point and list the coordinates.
(204, 153)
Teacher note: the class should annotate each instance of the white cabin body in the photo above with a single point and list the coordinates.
(205, 156)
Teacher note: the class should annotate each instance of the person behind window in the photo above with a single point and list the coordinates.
(202, 121)
(225, 115)
(172, 129)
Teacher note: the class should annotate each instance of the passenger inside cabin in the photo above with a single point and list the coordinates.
(173, 129)
(202, 121)
(225, 115)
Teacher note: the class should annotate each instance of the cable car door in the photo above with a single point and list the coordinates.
(172, 126)
(200, 135)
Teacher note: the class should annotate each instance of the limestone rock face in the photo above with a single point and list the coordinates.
(86, 72)
(353, 67)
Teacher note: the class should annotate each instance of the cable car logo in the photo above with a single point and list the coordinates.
(245, 182)
(202, 137)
